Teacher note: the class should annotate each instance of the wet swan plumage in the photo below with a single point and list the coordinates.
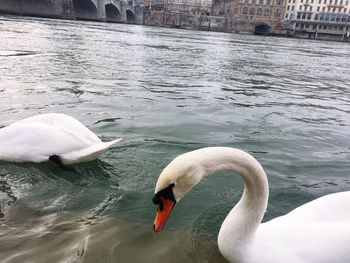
(37, 138)
(316, 232)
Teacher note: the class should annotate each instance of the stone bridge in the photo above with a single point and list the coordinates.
(122, 11)
(108, 10)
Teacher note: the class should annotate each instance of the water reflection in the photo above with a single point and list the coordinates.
(67, 237)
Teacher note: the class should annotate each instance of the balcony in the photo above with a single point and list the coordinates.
(337, 5)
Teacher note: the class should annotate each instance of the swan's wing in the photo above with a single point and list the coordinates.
(311, 242)
(329, 208)
(65, 123)
(318, 231)
(87, 154)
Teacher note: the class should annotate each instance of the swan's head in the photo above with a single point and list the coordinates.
(176, 180)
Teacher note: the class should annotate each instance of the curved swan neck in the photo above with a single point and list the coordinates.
(239, 227)
(215, 159)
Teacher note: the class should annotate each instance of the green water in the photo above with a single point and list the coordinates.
(166, 92)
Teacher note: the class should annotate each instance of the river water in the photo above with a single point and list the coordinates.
(166, 92)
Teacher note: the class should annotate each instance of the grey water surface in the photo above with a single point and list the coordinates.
(166, 92)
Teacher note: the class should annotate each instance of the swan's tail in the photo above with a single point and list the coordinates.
(87, 154)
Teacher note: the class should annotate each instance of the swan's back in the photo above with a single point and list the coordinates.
(316, 232)
(62, 122)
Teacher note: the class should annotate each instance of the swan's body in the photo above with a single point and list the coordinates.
(316, 232)
(37, 138)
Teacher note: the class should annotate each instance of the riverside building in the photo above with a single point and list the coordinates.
(258, 16)
(318, 19)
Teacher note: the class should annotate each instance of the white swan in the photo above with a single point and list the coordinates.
(53, 136)
(316, 232)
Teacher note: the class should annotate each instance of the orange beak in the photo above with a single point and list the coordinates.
(162, 215)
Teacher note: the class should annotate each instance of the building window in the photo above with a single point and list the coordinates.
(279, 2)
(318, 8)
(316, 16)
(293, 8)
(278, 12)
(252, 11)
(253, 1)
(259, 12)
(261, 2)
(267, 12)
(245, 10)
(268, 2)
(288, 7)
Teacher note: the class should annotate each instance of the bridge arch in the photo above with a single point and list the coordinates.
(112, 13)
(262, 29)
(130, 17)
(85, 9)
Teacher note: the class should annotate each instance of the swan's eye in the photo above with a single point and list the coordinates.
(158, 201)
(166, 193)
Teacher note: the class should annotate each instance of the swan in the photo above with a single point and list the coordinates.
(316, 232)
(53, 136)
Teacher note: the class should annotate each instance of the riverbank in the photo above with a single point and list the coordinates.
(128, 13)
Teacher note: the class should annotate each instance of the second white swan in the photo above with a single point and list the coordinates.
(52, 136)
